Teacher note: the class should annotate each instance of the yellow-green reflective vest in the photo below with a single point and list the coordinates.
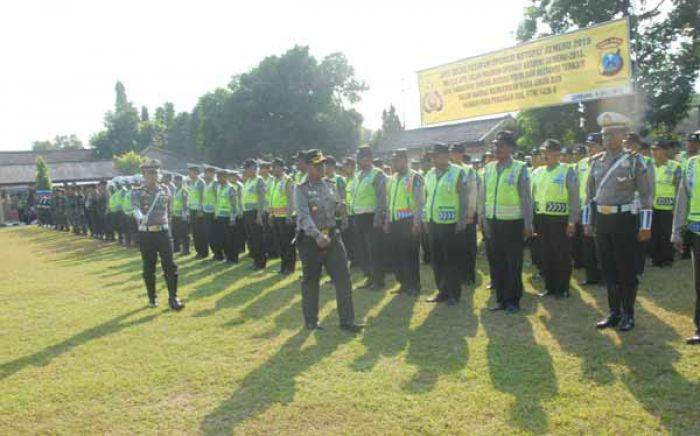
(583, 170)
(552, 197)
(115, 204)
(693, 187)
(126, 202)
(250, 193)
(224, 208)
(364, 197)
(268, 187)
(209, 200)
(400, 192)
(278, 196)
(665, 191)
(195, 198)
(300, 177)
(348, 194)
(442, 196)
(178, 201)
(502, 198)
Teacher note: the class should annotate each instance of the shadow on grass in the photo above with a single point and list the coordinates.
(45, 356)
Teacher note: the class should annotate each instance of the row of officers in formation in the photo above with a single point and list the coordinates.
(607, 211)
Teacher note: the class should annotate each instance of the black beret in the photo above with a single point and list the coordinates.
(580, 149)
(457, 148)
(314, 156)
(505, 137)
(594, 138)
(249, 163)
(440, 148)
(363, 152)
(400, 153)
(330, 160)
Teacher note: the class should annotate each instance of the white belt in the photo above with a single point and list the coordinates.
(159, 228)
(610, 210)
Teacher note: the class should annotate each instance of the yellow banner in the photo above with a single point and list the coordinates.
(587, 64)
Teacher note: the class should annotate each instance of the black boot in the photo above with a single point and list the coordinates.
(610, 321)
(175, 303)
(626, 322)
(151, 290)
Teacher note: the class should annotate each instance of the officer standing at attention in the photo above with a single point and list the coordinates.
(555, 190)
(535, 243)
(667, 175)
(447, 214)
(195, 211)
(282, 213)
(616, 175)
(468, 251)
(686, 216)
(253, 199)
(209, 208)
(594, 145)
(180, 214)
(320, 245)
(506, 219)
(369, 207)
(151, 207)
(225, 221)
(350, 232)
(403, 222)
(692, 149)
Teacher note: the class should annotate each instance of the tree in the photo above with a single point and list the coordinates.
(665, 45)
(121, 127)
(129, 162)
(42, 176)
(560, 122)
(60, 142)
(391, 124)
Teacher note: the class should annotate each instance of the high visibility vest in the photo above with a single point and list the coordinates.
(665, 191)
(127, 207)
(268, 187)
(502, 197)
(178, 201)
(349, 194)
(364, 197)
(583, 170)
(300, 177)
(400, 195)
(278, 196)
(442, 196)
(250, 193)
(195, 197)
(224, 208)
(536, 173)
(693, 188)
(550, 191)
(209, 200)
(115, 204)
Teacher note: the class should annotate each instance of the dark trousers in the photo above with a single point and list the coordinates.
(111, 225)
(201, 246)
(284, 235)
(577, 254)
(425, 245)
(241, 236)
(208, 227)
(535, 245)
(313, 259)
(556, 253)
(446, 259)
(224, 240)
(254, 233)
(152, 245)
(369, 239)
(349, 236)
(405, 251)
(270, 237)
(616, 240)
(695, 242)
(129, 228)
(470, 267)
(590, 260)
(181, 234)
(507, 247)
(660, 246)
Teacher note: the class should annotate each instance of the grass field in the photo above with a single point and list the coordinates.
(81, 353)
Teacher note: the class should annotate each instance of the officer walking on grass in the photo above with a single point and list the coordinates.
(151, 203)
(320, 244)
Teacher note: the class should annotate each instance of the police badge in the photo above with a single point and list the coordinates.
(611, 61)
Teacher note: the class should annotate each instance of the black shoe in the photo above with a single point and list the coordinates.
(546, 294)
(439, 298)
(693, 340)
(152, 303)
(609, 321)
(497, 307)
(352, 328)
(175, 304)
(313, 326)
(589, 282)
(217, 259)
(452, 301)
(511, 309)
(626, 323)
(564, 294)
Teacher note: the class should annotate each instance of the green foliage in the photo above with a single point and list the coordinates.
(391, 124)
(128, 163)
(42, 176)
(559, 122)
(665, 45)
(121, 132)
(60, 142)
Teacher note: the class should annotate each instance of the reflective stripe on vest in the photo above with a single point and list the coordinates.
(195, 198)
(665, 191)
(115, 204)
(250, 194)
(278, 197)
(502, 196)
(552, 197)
(209, 200)
(178, 201)
(223, 201)
(349, 194)
(365, 196)
(401, 201)
(442, 200)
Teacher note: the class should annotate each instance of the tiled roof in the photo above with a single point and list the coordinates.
(29, 157)
(60, 172)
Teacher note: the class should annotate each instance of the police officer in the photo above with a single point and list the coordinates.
(281, 198)
(535, 243)
(594, 145)
(196, 214)
(468, 237)
(114, 207)
(350, 232)
(555, 190)
(320, 245)
(151, 207)
(667, 174)
(446, 215)
(506, 219)
(128, 223)
(180, 217)
(226, 211)
(253, 202)
(686, 216)
(692, 149)
(208, 208)
(616, 175)
(369, 207)
(403, 222)
(270, 244)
